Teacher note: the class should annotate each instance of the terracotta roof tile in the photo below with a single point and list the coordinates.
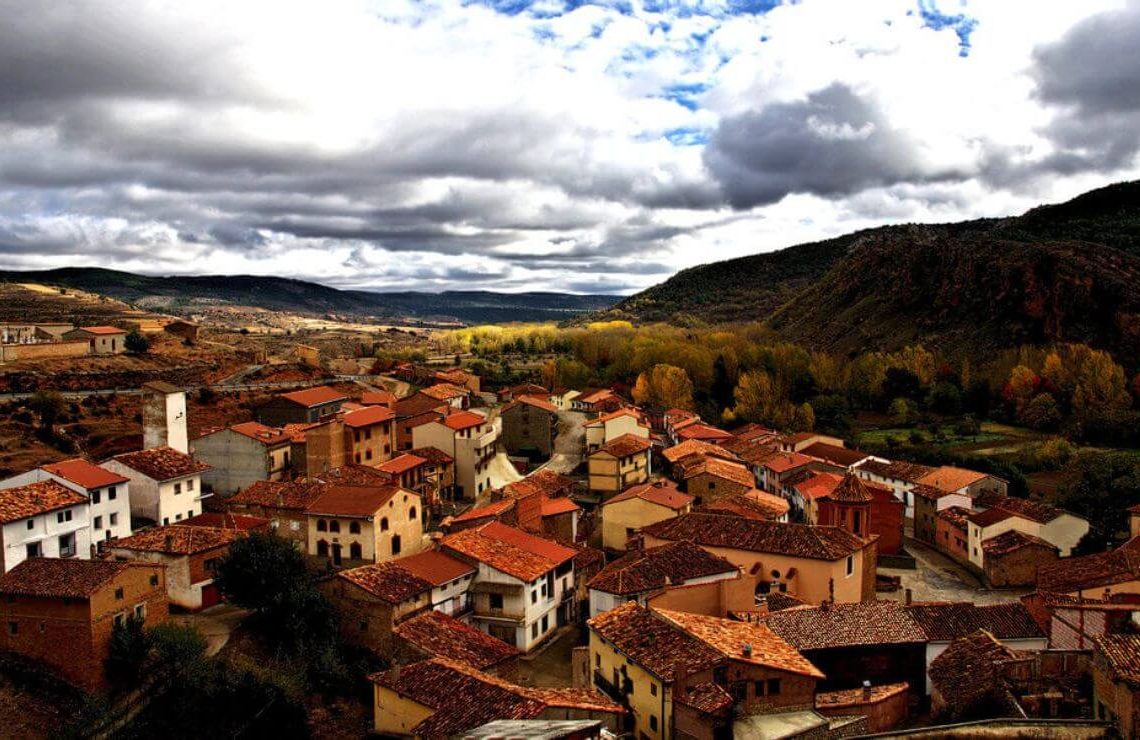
(444, 391)
(402, 464)
(224, 520)
(720, 468)
(696, 447)
(388, 581)
(968, 673)
(509, 550)
(490, 511)
(69, 578)
(817, 485)
(706, 697)
(293, 495)
(1067, 575)
(378, 398)
(102, 330)
(442, 636)
(782, 462)
(949, 478)
(353, 501)
(1122, 653)
(1012, 541)
(32, 499)
(749, 642)
(259, 432)
(316, 396)
(660, 492)
(645, 570)
(865, 623)
(162, 463)
(433, 455)
(842, 456)
(556, 506)
(416, 405)
(956, 515)
(601, 420)
(798, 540)
(83, 473)
(463, 420)
(368, 416)
(858, 697)
(435, 567)
(851, 490)
(541, 481)
(178, 540)
(354, 475)
(655, 644)
(624, 446)
(703, 431)
(930, 493)
(947, 621)
(754, 504)
(1034, 511)
(899, 470)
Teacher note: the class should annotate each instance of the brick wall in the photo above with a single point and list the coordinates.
(1017, 568)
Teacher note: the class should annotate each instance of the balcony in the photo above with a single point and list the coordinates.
(491, 613)
(607, 687)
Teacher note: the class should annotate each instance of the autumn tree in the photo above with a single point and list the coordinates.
(664, 386)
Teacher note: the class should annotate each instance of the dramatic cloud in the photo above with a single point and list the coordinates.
(537, 144)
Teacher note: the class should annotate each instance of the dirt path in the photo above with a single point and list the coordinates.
(569, 444)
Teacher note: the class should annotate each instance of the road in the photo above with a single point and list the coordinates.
(569, 444)
(278, 385)
(939, 578)
(216, 624)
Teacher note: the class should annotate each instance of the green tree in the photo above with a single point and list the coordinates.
(1042, 413)
(136, 343)
(903, 412)
(944, 398)
(48, 405)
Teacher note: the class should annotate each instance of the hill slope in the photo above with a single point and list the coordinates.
(182, 294)
(1061, 272)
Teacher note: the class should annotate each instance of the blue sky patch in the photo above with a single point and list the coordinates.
(962, 24)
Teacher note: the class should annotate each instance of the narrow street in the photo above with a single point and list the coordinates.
(569, 444)
(939, 578)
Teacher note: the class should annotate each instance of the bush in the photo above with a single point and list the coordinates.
(968, 426)
(136, 343)
(917, 438)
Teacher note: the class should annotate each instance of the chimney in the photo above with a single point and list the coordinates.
(908, 596)
(866, 690)
(747, 650)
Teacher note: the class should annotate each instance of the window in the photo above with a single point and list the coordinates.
(165, 520)
(545, 623)
(739, 690)
(140, 611)
(334, 526)
(496, 601)
(154, 580)
(412, 514)
(322, 525)
(120, 620)
(597, 660)
(384, 524)
(177, 517)
(31, 524)
(119, 594)
(96, 497)
(63, 516)
(855, 520)
(33, 550)
(322, 548)
(190, 485)
(653, 722)
(534, 630)
(534, 597)
(395, 544)
(112, 492)
(355, 552)
(177, 488)
(67, 546)
(98, 522)
(850, 564)
(354, 527)
(114, 519)
(13, 628)
(653, 689)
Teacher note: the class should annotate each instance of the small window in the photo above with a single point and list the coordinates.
(154, 580)
(384, 524)
(653, 722)
(111, 493)
(119, 594)
(534, 597)
(334, 526)
(597, 660)
(354, 527)
(31, 524)
(98, 524)
(177, 517)
(412, 513)
(190, 485)
(653, 689)
(850, 564)
(114, 519)
(96, 497)
(773, 687)
(496, 601)
(177, 488)
(322, 525)
(140, 611)
(13, 628)
(395, 544)
(534, 630)
(63, 516)
(120, 620)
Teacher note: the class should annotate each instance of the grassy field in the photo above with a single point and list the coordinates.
(993, 439)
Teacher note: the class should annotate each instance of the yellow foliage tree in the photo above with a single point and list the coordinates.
(664, 386)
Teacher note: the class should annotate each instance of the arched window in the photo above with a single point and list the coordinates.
(322, 548)
(384, 524)
(412, 513)
(322, 525)
(354, 551)
(334, 526)
(354, 527)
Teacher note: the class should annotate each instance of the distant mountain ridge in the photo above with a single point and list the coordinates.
(180, 294)
(1065, 272)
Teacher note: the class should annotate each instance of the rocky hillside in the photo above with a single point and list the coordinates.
(1068, 272)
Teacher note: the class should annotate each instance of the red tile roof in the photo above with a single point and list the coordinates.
(730, 638)
(703, 431)
(353, 501)
(930, 493)
(818, 485)
(1067, 575)
(354, 475)
(433, 455)
(1012, 541)
(707, 697)
(950, 620)
(293, 495)
(1034, 511)
(368, 416)
(796, 540)
(260, 432)
(967, 675)
(1122, 654)
(442, 636)
(655, 644)
(435, 567)
(316, 396)
(754, 504)
(83, 473)
(661, 492)
(541, 481)
(624, 446)
(489, 511)
(538, 403)
(444, 391)
(904, 471)
(402, 464)
(388, 581)
(463, 420)
(32, 499)
(782, 462)
(639, 571)
(601, 420)
(949, 478)
(416, 405)
(955, 515)
(864, 624)
(509, 550)
(102, 330)
(841, 456)
(696, 447)
(556, 506)
(855, 698)
(224, 520)
(852, 490)
(178, 540)
(67, 578)
(377, 398)
(162, 463)
(719, 468)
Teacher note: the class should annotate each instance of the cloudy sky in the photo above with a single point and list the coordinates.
(556, 144)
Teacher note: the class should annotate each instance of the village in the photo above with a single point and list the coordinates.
(533, 561)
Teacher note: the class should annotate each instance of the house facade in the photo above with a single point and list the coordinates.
(469, 439)
(107, 493)
(529, 426)
(165, 484)
(300, 407)
(242, 454)
(624, 515)
(190, 555)
(45, 519)
(355, 525)
(619, 464)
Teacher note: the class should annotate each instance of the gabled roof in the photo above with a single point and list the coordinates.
(851, 490)
(102, 330)
(463, 420)
(260, 432)
(1013, 540)
(706, 697)
(368, 416)
(720, 468)
(1067, 575)
(696, 447)
(657, 645)
(817, 485)
(1034, 511)
(942, 622)
(435, 567)
(491, 510)
(703, 431)
(754, 504)
(782, 462)
(417, 404)
(33, 499)
(624, 446)
(748, 642)
(85, 474)
(316, 396)
(601, 420)
(955, 515)
(444, 391)
(841, 456)
(900, 470)
(353, 501)
(540, 481)
(442, 636)
(401, 463)
(433, 455)
(661, 492)
(737, 533)
(64, 578)
(1122, 653)
(224, 520)
(969, 672)
(639, 571)
(162, 463)
(388, 581)
(858, 624)
(509, 550)
(178, 540)
(293, 495)
(949, 478)
(378, 398)
(539, 403)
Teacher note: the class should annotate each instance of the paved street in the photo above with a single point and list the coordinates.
(216, 624)
(939, 578)
(569, 444)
